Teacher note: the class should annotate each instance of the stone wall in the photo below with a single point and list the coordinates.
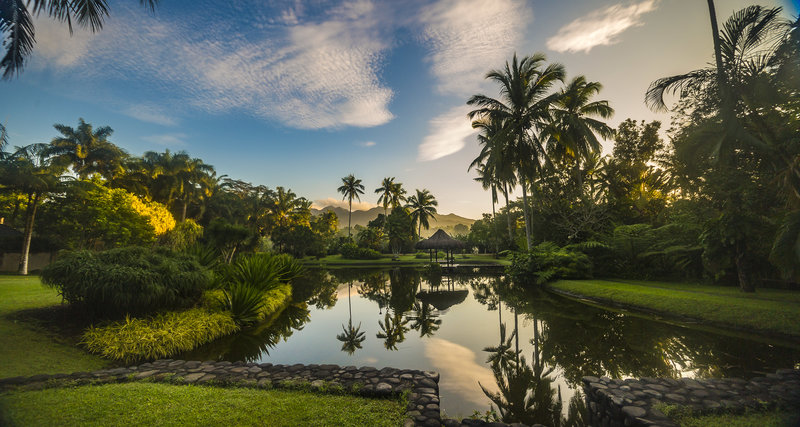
(631, 402)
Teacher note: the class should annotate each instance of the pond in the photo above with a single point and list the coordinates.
(540, 344)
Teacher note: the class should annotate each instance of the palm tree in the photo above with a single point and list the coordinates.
(30, 172)
(351, 188)
(393, 330)
(573, 129)
(391, 194)
(16, 24)
(488, 181)
(523, 106)
(87, 150)
(177, 180)
(495, 162)
(423, 207)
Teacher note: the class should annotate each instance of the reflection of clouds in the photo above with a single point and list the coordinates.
(370, 360)
(460, 372)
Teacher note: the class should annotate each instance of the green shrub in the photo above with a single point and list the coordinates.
(159, 336)
(426, 255)
(244, 303)
(131, 280)
(263, 271)
(547, 262)
(352, 251)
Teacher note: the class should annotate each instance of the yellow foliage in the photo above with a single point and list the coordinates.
(157, 214)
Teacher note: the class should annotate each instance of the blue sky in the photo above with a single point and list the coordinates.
(299, 94)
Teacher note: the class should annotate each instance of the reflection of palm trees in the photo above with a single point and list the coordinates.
(424, 319)
(352, 337)
(393, 330)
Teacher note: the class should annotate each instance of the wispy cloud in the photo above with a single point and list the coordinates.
(367, 144)
(307, 75)
(334, 202)
(599, 28)
(448, 134)
(467, 38)
(151, 114)
(168, 139)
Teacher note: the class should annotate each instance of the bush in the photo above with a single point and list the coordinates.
(547, 262)
(351, 251)
(160, 336)
(131, 280)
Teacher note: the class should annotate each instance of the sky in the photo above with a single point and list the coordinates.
(302, 93)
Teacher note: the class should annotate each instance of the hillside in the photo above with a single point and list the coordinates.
(446, 222)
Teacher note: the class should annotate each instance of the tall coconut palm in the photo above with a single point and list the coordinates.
(16, 24)
(574, 127)
(523, 107)
(87, 150)
(422, 208)
(351, 337)
(495, 160)
(391, 194)
(488, 181)
(351, 188)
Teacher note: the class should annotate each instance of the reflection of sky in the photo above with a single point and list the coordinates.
(456, 348)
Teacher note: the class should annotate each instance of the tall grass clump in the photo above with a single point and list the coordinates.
(127, 281)
(162, 335)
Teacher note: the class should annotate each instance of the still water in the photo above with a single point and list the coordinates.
(539, 344)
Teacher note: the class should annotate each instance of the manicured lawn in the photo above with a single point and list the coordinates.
(187, 405)
(769, 310)
(332, 260)
(27, 349)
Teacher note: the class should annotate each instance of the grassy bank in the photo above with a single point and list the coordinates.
(404, 260)
(27, 309)
(767, 310)
(179, 405)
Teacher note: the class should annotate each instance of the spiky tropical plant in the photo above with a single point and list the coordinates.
(351, 188)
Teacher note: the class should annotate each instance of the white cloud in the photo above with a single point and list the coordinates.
(151, 114)
(55, 45)
(312, 75)
(448, 134)
(331, 201)
(367, 144)
(467, 38)
(599, 28)
(167, 139)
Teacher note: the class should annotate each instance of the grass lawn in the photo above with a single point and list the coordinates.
(28, 349)
(768, 310)
(185, 405)
(411, 259)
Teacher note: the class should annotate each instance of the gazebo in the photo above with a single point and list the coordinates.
(440, 240)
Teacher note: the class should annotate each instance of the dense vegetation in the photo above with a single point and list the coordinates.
(718, 201)
(132, 280)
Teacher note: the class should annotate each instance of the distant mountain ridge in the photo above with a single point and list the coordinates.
(446, 222)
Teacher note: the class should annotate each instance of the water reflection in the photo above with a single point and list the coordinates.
(522, 353)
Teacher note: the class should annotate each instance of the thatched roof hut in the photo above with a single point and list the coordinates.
(442, 300)
(440, 240)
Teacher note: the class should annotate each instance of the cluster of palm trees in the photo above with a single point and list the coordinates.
(421, 206)
(532, 128)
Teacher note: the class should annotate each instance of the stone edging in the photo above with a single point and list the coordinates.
(631, 402)
(422, 386)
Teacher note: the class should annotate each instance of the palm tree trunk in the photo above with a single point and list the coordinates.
(721, 80)
(494, 225)
(183, 212)
(745, 284)
(525, 213)
(26, 242)
(508, 215)
(350, 218)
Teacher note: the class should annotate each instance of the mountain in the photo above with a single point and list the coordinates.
(446, 222)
